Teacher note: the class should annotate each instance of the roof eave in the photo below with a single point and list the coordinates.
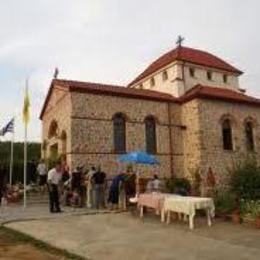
(120, 94)
(46, 100)
(225, 99)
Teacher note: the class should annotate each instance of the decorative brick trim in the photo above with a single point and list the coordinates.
(183, 127)
(113, 153)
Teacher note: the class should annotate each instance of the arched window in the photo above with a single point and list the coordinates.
(150, 134)
(249, 136)
(64, 142)
(53, 129)
(227, 135)
(119, 133)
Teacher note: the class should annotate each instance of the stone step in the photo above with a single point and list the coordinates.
(34, 202)
(38, 197)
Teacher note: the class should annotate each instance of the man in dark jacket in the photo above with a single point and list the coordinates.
(99, 181)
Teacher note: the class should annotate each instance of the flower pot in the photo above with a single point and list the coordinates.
(236, 219)
(175, 216)
(257, 222)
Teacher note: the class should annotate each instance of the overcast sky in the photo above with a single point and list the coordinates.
(111, 41)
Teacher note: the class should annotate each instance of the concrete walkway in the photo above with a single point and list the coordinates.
(14, 213)
(125, 236)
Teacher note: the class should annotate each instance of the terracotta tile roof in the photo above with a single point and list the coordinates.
(199, 91)
(189, 55)
(218, 93)
(115, 90)
(105, 89)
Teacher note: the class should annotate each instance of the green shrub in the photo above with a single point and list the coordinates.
(245, 181)
(178, 185)
(250, 208)
(225, 202)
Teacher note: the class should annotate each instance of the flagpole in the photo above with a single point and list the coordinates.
(25, 166)
(26, 120)
(12, 159)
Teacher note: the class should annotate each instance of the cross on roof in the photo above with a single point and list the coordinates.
(56, 73)
(180, 40)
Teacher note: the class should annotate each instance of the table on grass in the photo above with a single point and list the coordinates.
(187, 206)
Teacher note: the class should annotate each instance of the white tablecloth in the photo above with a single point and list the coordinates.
(188, 206)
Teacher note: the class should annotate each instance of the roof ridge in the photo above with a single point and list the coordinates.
(66, 81)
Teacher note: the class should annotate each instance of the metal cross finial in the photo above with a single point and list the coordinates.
(179, 40)
(56, 73)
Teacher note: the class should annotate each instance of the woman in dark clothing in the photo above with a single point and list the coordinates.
(77, 187)
(32, 171)
(65, 186)
(2, 182)
(117, 181)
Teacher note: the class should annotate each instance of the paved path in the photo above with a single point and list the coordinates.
(125, 236)
(14, 213)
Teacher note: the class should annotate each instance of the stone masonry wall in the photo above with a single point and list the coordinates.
(212, 153)
(59, 110)
(191, 138)
(92, 131)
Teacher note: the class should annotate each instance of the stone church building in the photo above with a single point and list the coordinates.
(187, 108)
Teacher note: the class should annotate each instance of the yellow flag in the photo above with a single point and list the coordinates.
(26, 107)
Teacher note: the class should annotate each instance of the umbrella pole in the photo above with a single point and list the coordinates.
(137, 184)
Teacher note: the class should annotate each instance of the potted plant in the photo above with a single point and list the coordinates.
(257, 221)
(246, 211)
(236, 212)
(236, 216)
(256, 213)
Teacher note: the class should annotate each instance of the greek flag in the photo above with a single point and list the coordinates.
(9, 128)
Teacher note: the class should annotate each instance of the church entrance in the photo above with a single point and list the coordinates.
(54, 151)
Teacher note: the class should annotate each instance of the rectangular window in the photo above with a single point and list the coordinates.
(141, 86)
(209, 75)
(192, 72)
(164, 75)
(225, 78)
(152, 82)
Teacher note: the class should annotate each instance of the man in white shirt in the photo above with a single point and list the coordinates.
(54, 178)
(156, 183)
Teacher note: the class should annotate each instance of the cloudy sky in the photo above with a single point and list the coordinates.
(111, 41)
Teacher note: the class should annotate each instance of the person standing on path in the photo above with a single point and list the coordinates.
(99, 180)
(90, 185)
(54, 178)
(42, 171)
(3, 187)
(32, 171)
(114, 191)
(76, 178)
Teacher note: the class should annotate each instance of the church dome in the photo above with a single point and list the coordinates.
(186, 54)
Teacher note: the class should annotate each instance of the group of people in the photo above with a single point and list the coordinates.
(90, 188)
(83, 189)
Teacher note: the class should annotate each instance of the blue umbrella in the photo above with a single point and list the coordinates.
(138, 157)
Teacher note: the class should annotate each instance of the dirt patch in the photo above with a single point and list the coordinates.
(14, 250)
(8, 250)
(14, 245)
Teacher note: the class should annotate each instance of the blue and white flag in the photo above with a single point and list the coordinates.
(9, 128)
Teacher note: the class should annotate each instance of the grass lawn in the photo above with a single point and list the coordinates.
(16, 245)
